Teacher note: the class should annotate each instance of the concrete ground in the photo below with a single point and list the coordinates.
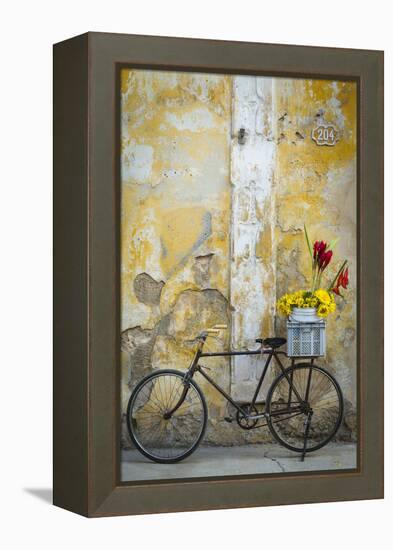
(247, 459)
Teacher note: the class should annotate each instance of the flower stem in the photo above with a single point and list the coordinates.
(319, 276)
(308, 241)
(337, 275)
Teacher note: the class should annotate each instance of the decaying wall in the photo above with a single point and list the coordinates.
(212, 224)
(175, 224)
(316, 185)
(253, 266)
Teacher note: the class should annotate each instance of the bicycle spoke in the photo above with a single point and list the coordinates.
(155, 402)
(167, 437)
(324, 402)
(173, 385)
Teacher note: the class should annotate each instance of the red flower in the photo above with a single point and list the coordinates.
(322, 255)
(324, 259)
(342, 281)
(319, 248)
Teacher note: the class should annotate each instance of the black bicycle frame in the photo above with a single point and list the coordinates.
(303, 405)
(195, 367)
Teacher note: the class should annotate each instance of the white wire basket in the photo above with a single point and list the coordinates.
(306, 339)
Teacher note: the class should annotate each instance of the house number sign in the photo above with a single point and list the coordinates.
(325, 134)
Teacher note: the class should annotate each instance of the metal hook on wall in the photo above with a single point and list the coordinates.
(241, 136)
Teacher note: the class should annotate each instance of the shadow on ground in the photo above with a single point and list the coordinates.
(43, 494)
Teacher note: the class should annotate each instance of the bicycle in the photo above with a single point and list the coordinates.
(167, 411)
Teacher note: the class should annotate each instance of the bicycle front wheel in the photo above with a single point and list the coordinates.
(159, 434)
(318, 392)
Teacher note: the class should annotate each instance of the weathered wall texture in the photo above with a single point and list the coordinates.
(253, 216)
(211, 228)
(317, 185)
(175, 221)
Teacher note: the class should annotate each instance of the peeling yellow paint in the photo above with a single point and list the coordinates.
(179, 209)
(316, 185)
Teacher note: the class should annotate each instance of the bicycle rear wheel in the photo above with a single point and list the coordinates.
(287, 415)
(161, 437)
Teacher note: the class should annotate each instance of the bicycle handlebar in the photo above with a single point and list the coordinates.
(213, 330)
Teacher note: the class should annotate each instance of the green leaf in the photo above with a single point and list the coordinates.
(333, 243)
(308, 241)
(337, 275)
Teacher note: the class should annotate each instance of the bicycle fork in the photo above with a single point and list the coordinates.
(186, 382)
(168, 414)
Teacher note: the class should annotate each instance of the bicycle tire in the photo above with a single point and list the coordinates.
(154, 455)
(277, 425)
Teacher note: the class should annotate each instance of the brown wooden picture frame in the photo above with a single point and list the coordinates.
(86, 274)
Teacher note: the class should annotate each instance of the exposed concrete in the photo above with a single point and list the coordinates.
(139, 344)
(136, 351)
(249, 459)
(147, 289)
(201, 269)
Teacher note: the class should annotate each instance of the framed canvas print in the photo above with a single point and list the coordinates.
(218, 310)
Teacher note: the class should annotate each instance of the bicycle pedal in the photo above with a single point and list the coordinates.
(229, 419)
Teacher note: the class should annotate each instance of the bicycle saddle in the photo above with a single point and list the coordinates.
(272, 342)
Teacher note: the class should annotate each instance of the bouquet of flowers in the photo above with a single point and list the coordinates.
(317, 297)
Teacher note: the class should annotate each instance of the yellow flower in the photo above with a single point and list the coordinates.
(312, 302)
(283, 306)
(321, 299)
(332, 306)
(292, 299)
(323, 296)
(323, 310)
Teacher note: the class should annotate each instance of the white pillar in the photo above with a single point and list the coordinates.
(252, 272)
